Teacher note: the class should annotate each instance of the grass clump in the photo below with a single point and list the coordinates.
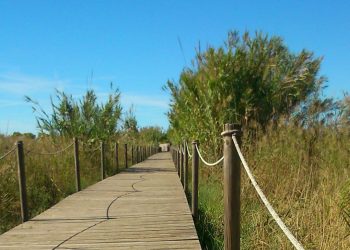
(310, 192)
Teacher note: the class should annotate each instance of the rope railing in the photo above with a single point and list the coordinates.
(267, 204)
(144, 152)
(182, 149)
(207, 163)
(93, 149)
(50, 153)
(232, 159)
(7, 153)
(188, 151)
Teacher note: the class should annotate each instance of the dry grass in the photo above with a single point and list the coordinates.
(305, 178)
(50, 178)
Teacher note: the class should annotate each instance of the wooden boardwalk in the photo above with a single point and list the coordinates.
(143, 207)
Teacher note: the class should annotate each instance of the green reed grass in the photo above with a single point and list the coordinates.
(307, 183)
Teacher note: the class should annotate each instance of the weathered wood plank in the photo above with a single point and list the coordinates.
(143, 207)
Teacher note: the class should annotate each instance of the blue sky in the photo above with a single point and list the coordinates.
(75, 45)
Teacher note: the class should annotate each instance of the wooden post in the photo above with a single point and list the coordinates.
(141, 154)
(195, 165)
(116, 156)
(232, 184)
(137, 154)
(178, 162)
(132, 154)
(77, 166)
(22, 181)
(176, 153)
(103, 174)
(126, 155)
(175, 158)
(182, 165)
(186, 169)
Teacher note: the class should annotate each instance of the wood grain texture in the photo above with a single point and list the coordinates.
(143, 207)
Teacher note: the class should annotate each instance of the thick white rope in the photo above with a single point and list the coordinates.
(51, 153)
(182, 149)
(207, 163)
(267, 204)
(188, 151)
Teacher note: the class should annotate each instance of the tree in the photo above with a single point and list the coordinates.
(130, 122)
(250, 80)
(152, 135)
(81, 118)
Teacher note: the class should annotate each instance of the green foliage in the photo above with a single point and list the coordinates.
(130, 128)
(250, 80)
(290, 133)
(28, 135)
(153, 135)
(311, 193)
(210, 213)
(83, 118)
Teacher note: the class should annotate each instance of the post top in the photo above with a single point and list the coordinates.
(232, 129)
(195, 142)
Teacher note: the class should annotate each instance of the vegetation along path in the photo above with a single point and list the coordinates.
(143, 207)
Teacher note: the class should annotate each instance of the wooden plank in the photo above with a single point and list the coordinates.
(143, 207)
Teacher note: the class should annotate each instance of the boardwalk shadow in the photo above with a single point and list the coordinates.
(139, 170)
(159, 159)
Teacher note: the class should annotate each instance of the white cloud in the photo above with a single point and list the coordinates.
(20, 84)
